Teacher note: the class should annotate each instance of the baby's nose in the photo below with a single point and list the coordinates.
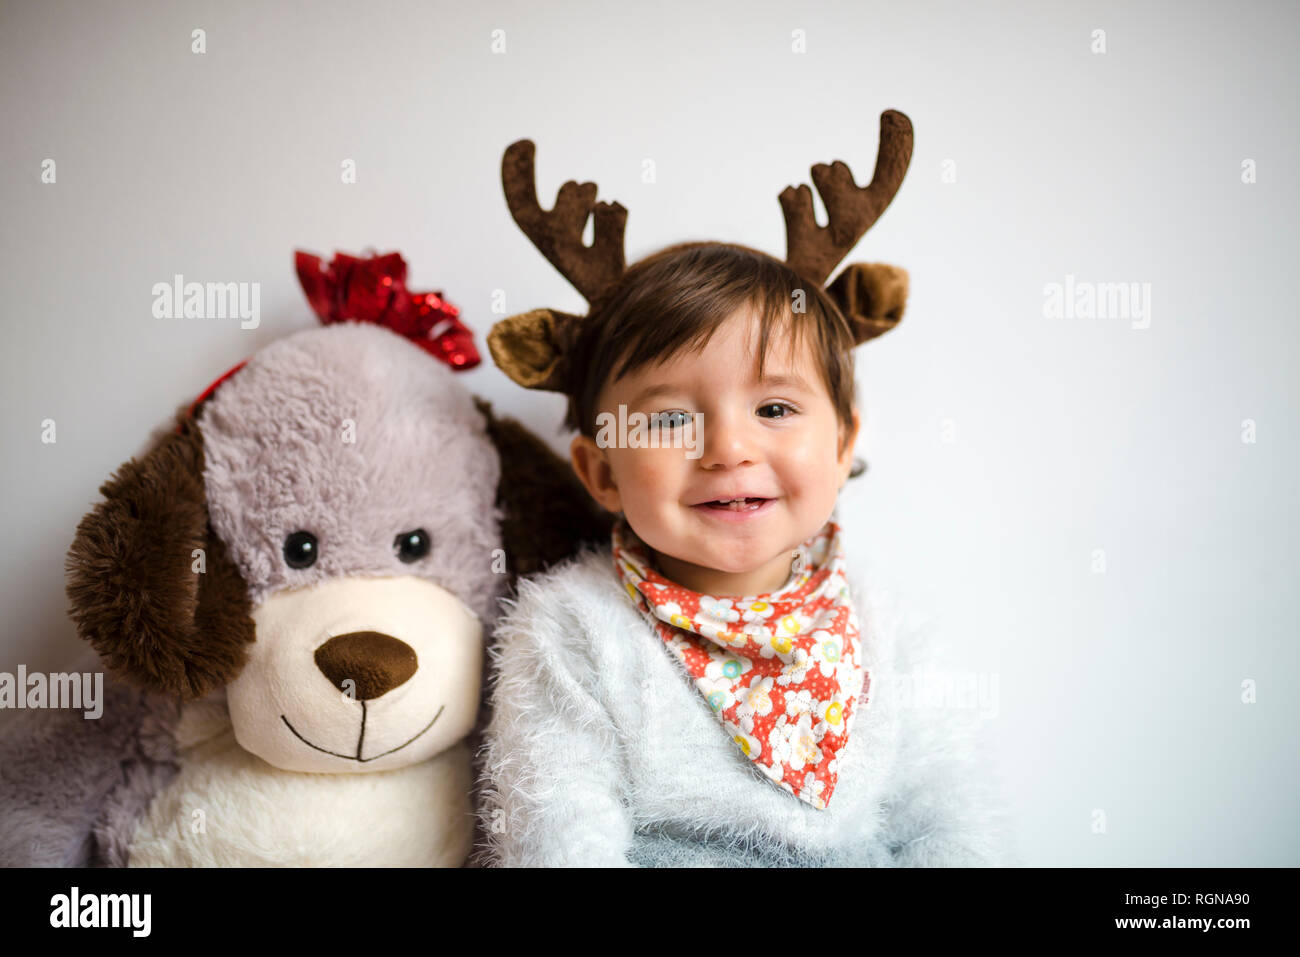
(727, 444)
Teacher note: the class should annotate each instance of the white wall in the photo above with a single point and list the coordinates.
(1119, 692)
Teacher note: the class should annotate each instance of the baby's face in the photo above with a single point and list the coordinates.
(776, 442)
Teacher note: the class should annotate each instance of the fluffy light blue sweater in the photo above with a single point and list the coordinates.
(600, 752)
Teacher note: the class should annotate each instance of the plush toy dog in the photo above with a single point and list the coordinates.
(290, 590)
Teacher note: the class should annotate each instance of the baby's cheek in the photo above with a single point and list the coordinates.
(813, 460)
(641, 479)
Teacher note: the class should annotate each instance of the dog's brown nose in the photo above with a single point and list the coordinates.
(375, 663)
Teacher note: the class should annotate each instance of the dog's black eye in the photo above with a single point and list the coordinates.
(412, 546)
(300, 550)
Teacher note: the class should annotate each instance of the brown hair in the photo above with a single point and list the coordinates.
(678, 297)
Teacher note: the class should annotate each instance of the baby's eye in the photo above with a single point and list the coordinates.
(784, 410)
(670, 420)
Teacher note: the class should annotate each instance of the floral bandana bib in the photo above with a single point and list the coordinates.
(780, 670)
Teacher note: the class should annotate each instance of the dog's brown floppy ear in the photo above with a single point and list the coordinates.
(158, 618)
(548, 513)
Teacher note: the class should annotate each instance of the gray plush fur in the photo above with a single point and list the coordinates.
(277, 462)
(70, 787)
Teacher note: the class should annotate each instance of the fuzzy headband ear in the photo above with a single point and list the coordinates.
(530, 347)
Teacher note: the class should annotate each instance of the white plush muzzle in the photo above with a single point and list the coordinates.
(289, 712)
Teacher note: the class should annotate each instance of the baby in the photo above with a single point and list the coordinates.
(701, 690)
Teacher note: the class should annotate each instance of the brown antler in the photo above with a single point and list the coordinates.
(814, 251)
(558, 232)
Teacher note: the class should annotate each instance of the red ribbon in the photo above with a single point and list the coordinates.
(373, 289)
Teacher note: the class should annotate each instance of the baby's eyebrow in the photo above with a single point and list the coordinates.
(768, 381)
(655, 390)
(780, 380)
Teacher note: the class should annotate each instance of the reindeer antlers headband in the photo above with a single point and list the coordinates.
(530, 347)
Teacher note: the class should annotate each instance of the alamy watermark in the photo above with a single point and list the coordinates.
(179, 299)
(79, 691)
(1098, 300)
(972, 692)
(75, 909)
(656, 430)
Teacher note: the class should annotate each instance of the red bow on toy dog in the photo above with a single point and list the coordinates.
(373, 289)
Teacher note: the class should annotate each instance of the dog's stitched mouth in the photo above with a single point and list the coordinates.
(361, 736)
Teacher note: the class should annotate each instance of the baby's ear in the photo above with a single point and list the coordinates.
(531, 346)
(848, 437)
(872, 297)
(852, 430)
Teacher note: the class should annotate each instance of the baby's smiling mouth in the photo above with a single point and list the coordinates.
(747, 504)
(735, 503)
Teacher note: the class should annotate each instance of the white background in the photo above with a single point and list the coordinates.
(1118, 692)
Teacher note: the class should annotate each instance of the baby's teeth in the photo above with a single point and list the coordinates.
(735, 504)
